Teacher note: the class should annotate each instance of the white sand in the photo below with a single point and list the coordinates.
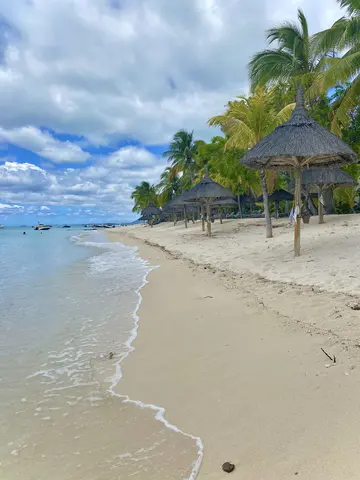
(233, 351)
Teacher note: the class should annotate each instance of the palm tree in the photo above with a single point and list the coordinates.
(169, 186)
(342, 36)
(248, 120)
(182, 153)
(293, 60)
(143, 195)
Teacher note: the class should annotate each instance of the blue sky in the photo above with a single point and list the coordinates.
(86, 115)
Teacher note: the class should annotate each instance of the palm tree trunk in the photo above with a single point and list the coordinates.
(239, 205)
(266, 204)
(185, 217)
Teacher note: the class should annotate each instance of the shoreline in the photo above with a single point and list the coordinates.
(202, 355)
(116, 379)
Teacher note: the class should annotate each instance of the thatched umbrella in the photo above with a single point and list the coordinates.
(178, 204)
(277, 196)
(149, 212)
(323, 178)
(297, 144)
(227, 202)
(206, 192)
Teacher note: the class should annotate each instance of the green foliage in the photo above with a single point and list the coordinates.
(340, 45)
(169, 186)
(182, 153)
(293, 59)
(143, 195)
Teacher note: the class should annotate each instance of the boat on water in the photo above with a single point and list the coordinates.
(2, 226)
(66, 226)
(41, 226)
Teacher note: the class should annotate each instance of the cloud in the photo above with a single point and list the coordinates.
(131, 69)
(106, 185)
(6, 209)
(44, 145)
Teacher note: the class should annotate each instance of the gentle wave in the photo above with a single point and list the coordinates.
(102, 265)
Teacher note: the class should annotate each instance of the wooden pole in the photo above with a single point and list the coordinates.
(297, 227)
(185, 217)
(208, 219)
(320, 205)
(202, 217)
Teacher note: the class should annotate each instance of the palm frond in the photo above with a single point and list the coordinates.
(271, 65)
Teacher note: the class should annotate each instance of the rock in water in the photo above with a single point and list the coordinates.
(228, 467)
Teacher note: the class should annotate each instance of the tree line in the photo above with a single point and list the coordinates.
(326, 64)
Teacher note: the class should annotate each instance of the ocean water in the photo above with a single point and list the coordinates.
(68, 303)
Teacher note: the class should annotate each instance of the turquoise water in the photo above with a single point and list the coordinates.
(67, 300)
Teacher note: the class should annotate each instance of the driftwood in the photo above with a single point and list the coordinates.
(329, 357)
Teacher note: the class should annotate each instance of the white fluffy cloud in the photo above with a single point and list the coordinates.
(6, 209)
(44, 145)
(108, 69)
(107, 184)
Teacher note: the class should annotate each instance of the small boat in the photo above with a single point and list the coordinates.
(66, 226)
(2, 226)
(41, 226)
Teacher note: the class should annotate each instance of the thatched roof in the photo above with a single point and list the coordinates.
(150, 210)
(207, 189)
(225, 202)
(278, 195)
(177, 204)
(327, 177)
(247, 199)
(297, 143)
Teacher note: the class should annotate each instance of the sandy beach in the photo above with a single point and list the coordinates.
(230, 338)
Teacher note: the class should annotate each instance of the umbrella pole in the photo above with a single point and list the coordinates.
(202, 218)
(320, 206)
(185, 217)
(297, 175)
(208, 219)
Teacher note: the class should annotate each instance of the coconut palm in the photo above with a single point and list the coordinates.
(293, 60)
(248, 120)
(342, 38)
(182, 153)
(143, 195)
(169, 186)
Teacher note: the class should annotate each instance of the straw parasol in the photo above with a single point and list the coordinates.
(178, 204)
(277, 196)
(323, 178)
(227, 202)
(206, 192)
(298, 144)
(149, 212)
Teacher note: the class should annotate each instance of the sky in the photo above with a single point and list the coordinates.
(91, 92)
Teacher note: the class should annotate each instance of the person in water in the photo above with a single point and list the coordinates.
(24, 233)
